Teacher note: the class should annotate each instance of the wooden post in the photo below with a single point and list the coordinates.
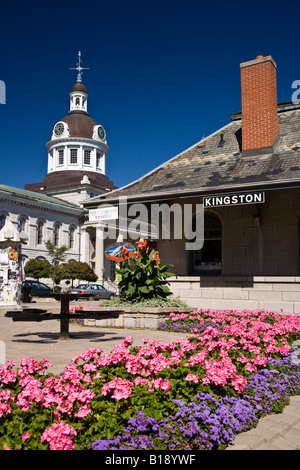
(64, 319)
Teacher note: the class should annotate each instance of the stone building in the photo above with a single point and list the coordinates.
(246, 176)
(41, 217)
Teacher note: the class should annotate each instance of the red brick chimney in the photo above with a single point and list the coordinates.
(260, 123)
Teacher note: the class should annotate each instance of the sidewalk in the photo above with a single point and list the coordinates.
(41, 340)
(273, 432)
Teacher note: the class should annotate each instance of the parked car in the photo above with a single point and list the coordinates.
(91, 291)
(37, 287)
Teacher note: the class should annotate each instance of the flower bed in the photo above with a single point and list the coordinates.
(195, 393)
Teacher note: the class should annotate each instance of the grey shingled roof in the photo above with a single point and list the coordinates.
(216, 164)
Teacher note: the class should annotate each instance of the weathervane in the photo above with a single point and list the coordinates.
(79, 68)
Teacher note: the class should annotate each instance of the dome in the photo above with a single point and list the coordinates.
(79, 87)
(80, 124)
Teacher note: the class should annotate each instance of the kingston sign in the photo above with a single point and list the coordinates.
(234, 199)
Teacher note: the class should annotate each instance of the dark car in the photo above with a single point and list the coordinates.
(91, 291)
(37, 287)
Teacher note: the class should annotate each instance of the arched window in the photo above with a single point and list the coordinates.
(40, 232)
(56, 233)
(209, 258)
(22, 223)
(2, 220)
(72, 237)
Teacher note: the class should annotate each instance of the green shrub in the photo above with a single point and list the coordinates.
(141, 275)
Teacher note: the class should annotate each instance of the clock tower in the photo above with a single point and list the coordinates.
(77, 152)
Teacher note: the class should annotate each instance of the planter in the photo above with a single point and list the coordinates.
(136, 317)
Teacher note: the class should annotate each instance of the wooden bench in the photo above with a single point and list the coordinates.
(38, 315)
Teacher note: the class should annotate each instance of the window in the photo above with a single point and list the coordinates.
(71, 237)
(87, 157)
(2, 221)
(60, 156)
(21, 223)
(209, 258)
(56, 234)
(99, 158)
(73, 156)
(40, 231)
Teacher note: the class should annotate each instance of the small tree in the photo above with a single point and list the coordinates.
(77, 270)
(38, 268)
(57, 255)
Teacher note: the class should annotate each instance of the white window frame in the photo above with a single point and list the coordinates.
(73, 154)
(87, 153)
(60, 157)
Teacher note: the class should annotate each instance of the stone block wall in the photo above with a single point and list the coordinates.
(134, 317)
(274, 293)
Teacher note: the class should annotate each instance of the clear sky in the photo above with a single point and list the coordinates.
(162, 74)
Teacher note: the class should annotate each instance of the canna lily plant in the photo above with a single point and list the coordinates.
(141, 275)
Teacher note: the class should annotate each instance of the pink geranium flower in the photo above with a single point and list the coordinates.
(59, 436)
(193, 377)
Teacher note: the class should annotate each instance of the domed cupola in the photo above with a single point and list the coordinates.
(77, 148)
(77, 142)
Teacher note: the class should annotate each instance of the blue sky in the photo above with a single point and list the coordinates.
(162, 74)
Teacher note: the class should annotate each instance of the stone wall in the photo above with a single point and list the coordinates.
(134, 317)
(257, 239)
(260, 258)
(239, 292)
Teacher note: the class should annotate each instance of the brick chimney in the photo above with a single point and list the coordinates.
(260, 123)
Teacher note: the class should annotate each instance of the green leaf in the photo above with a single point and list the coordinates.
(130, 289)
(168, 274)
(144, 289)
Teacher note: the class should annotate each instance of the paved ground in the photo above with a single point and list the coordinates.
(41, 340)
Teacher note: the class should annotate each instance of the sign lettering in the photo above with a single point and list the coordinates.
(234, 199)
(103, 213)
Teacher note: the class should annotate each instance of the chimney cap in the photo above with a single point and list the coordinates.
(259, 59)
